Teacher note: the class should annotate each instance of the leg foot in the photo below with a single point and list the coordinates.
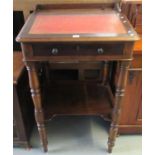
(109, 150)
(110, 145)
(45, 149)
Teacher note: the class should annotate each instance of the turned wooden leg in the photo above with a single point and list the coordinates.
(120, 89)
(35, 92)
(105, 73)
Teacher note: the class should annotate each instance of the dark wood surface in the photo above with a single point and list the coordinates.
(131, 117)
(136, 62)
(23, 118)
(86, 99)
(119, 94)
(77, 49)
(32, 64)
(132, 108)
(36, 97)
(18, 66)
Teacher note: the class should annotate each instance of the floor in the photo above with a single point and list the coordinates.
(77, 135)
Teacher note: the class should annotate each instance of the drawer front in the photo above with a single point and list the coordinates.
(52, 50)
(77, 49)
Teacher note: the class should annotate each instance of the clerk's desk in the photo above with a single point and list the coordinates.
(84, 35)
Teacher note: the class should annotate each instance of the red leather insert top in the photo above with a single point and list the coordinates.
(75, 24)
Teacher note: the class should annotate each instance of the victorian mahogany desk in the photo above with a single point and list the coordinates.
(83, 34)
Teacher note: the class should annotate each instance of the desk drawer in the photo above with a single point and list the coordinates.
(77, 49)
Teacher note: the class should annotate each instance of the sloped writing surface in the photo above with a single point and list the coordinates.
(77, 24)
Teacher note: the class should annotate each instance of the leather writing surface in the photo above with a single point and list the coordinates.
(77, 24)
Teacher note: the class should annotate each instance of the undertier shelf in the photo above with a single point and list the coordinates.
(76, 99)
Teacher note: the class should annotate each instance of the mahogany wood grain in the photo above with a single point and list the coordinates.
(23, 119)
(131, 117)
(138, 47)
(18, 66)
(130, 129)
(124, 57)
(30, 5)
(132, 100)
(36, 96)
(86, 99)
(136, 62)
(120, 90)
(19, 129)
(77, 49)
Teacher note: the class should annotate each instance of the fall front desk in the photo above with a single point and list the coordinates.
(81, 35)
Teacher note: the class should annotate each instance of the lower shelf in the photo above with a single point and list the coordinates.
(76, 99)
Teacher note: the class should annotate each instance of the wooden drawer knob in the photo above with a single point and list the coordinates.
(55, 51)
(100, 50)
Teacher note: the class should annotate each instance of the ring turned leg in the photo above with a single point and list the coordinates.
(120, 89)
(35, 93)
